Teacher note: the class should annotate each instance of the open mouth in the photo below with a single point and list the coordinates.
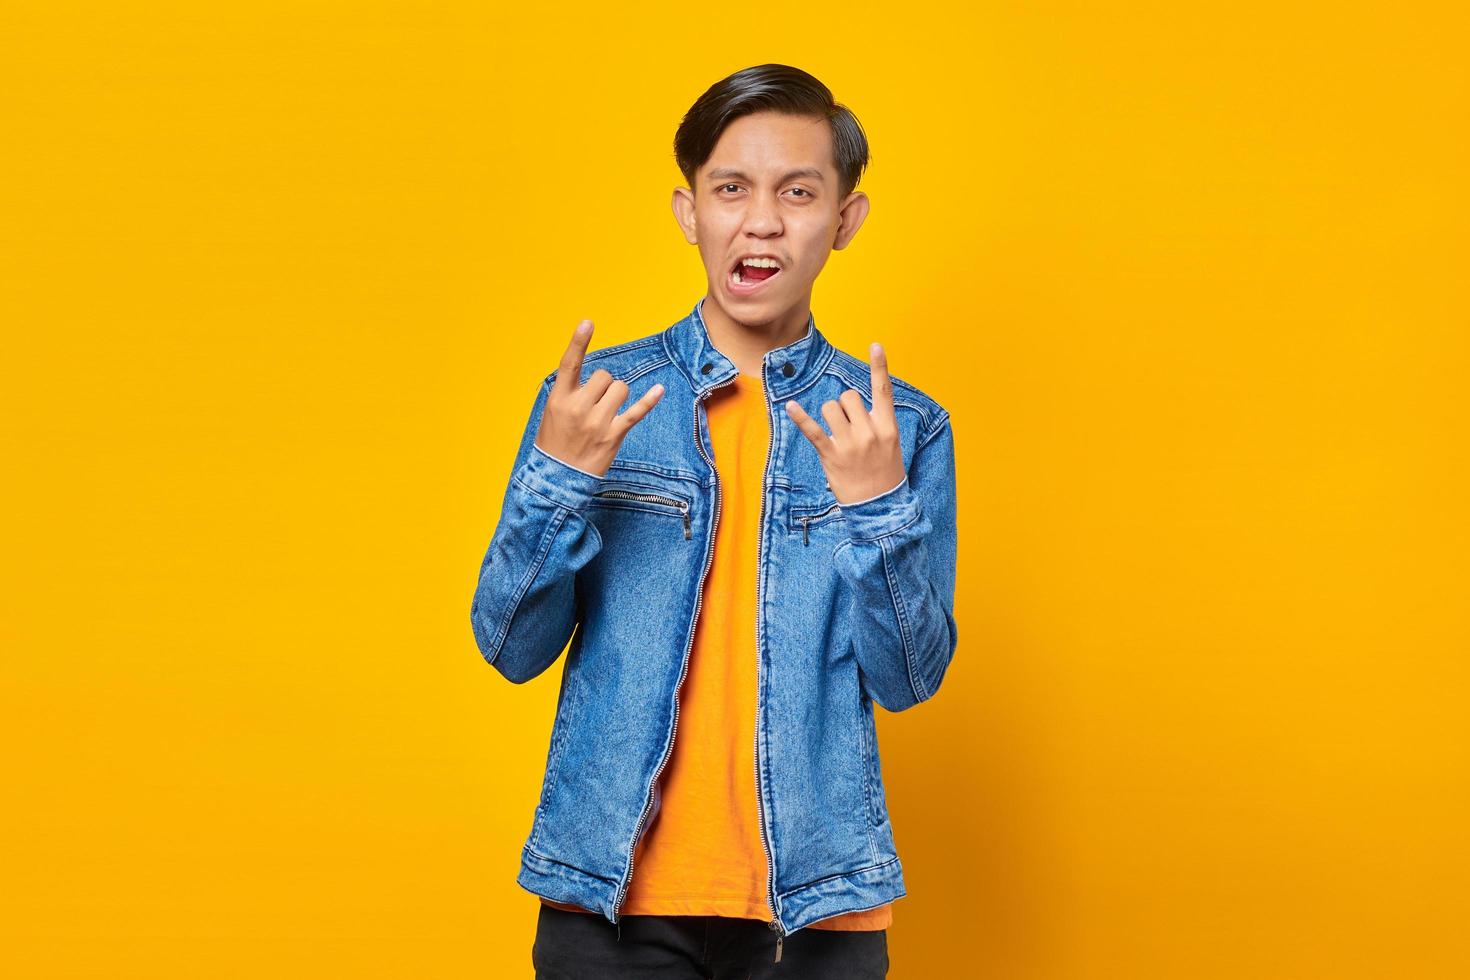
(745, 279)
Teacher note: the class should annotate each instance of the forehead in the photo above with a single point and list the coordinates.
(769, 144)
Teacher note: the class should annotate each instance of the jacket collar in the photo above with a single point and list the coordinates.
(786, 371)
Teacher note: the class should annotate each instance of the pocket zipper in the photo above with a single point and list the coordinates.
(806, 522)
(651, 498)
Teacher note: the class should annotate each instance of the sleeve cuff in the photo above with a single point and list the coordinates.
(876, 516)
(875, 496)
(563, 462)
(557, 480)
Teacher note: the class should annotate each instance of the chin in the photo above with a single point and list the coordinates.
(758, 309)
(750, 313)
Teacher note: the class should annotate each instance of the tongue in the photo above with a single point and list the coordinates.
(753, 273)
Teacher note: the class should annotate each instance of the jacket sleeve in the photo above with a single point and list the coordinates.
(899, 560)
(524, 607)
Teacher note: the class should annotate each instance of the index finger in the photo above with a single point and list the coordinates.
(569, 371)
(881, 382)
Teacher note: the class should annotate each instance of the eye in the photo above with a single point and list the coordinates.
(803, 191)
(729, 186)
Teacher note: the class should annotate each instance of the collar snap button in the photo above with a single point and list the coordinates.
(787, 369)
(706, 368)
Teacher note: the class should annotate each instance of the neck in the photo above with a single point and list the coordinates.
(745, 341)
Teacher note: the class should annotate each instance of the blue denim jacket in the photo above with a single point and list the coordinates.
(855, 605)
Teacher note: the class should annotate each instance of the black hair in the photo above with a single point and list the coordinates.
(781, 88)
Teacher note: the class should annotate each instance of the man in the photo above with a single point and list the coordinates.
(743, 586)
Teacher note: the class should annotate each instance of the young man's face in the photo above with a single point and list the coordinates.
(769, 188)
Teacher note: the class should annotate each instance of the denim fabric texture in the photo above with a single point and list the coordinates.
(855, 607)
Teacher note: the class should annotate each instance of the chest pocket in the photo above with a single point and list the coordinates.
(630, 493)
(810, 512)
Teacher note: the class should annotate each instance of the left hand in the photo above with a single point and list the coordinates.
(862, 457)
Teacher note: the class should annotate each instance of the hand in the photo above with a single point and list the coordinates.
(580, 424)
(862, 457)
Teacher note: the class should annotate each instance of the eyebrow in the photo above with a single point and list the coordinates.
(725, 173)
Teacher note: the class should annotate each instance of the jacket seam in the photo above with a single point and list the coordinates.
(541, 496)
(890, 532)
(641, 368)
(542, 550)
(581, 871)
(841, 874)
(856, 375)
(818, 372)
(536, 448)
(562, 727)
(867, 788)
(921, 690)
(903, 627)
(610, 351)
(866, 908)
(932, 432)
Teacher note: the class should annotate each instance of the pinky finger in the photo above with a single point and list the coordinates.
(634, 413)
(809, 426)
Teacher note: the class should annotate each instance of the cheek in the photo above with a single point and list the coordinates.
(809, 260)
(816, 242)
(715, 238)
(711, 251)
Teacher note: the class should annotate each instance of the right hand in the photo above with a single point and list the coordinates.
(580, 424)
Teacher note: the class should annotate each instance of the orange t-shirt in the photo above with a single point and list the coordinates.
(702, 854)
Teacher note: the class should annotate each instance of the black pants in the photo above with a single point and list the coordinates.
(584, 946)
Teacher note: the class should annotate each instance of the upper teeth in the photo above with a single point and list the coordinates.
(761, 263)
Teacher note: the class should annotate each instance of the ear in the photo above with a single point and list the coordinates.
(850, 218)
(683, 204)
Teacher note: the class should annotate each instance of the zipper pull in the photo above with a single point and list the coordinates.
(778, 949)
(687, 534)
(806, 523)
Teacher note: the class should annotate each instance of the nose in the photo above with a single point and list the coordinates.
(762, 217)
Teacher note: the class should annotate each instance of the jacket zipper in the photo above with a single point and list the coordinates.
(698, 599)
(806, 522)
(651, 498)
(775, 923)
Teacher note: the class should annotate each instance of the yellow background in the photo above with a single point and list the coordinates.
(279, 280)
